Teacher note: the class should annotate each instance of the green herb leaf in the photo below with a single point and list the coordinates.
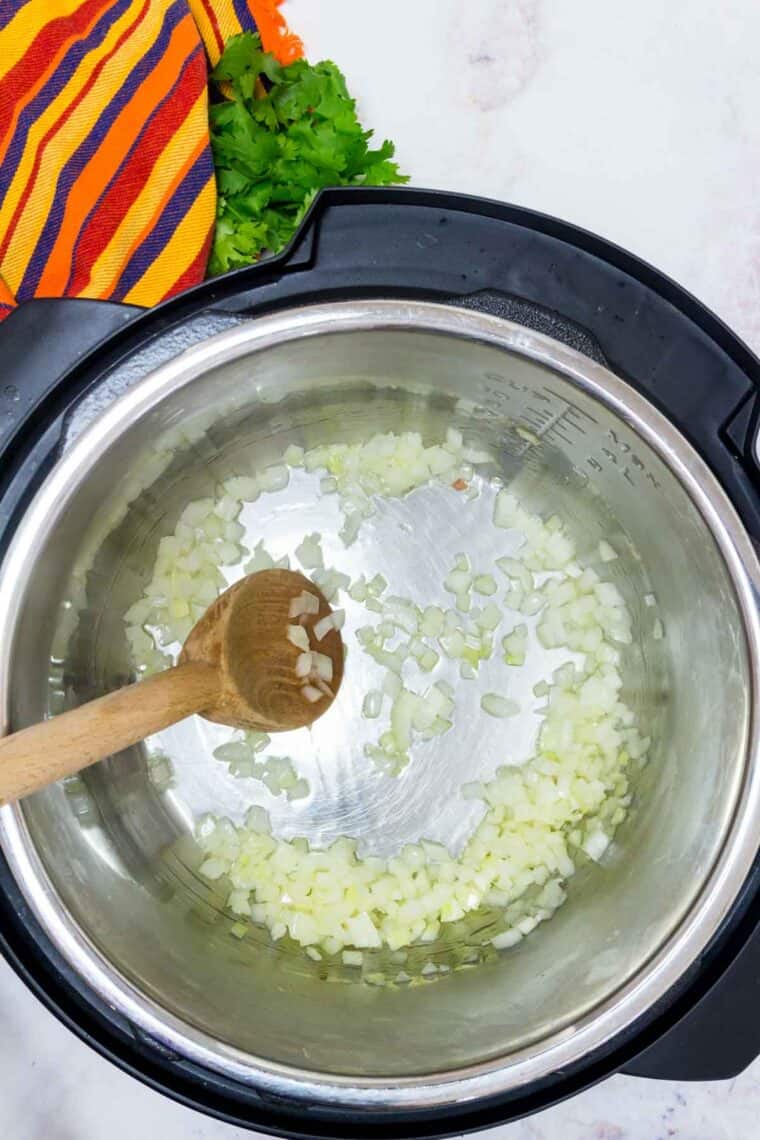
(276, 144)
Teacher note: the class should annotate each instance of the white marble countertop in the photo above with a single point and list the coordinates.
(638, 121)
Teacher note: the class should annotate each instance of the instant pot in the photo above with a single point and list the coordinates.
(634, 410)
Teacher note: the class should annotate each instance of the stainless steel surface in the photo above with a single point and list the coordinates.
(121, 897)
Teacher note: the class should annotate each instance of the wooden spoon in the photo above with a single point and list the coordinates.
(237, 667)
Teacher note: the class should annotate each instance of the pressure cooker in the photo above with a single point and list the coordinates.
(636, 411)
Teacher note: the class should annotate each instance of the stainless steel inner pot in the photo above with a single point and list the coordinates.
(118, 891)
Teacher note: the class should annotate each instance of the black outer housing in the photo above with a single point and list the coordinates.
(497, 258)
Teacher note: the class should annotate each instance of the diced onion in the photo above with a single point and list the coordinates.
(495, 705)
(358, 590)
(532, 603)
(298, 636)
(432, 622)
(244, 488)
(305, 603)
(309, 553)
(507, 939)
(330, 582)
(338, 619)
(322, 665)
(323, 626)
(274, 478)
(392, 684)
(261, 560)
(458, 581)
(596, 844)
(485, 584)
(372, 704)
(568, 798)
(294, 455)
(490, 617)
(377, 586)
(453, 644)
(402, 714)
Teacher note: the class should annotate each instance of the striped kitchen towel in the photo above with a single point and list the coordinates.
(106, 175)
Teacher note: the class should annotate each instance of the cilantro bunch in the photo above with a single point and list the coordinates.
(285, 133)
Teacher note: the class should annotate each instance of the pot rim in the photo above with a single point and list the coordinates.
(599, 1026)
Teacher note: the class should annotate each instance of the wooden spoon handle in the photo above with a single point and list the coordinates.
(39, 755)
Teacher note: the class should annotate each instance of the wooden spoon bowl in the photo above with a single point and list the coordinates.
(243, 637)
(237, 667)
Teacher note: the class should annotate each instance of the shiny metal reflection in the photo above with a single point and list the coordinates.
(121, 897)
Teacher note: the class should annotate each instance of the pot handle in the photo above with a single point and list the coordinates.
(718, 1036)
(42, 340)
